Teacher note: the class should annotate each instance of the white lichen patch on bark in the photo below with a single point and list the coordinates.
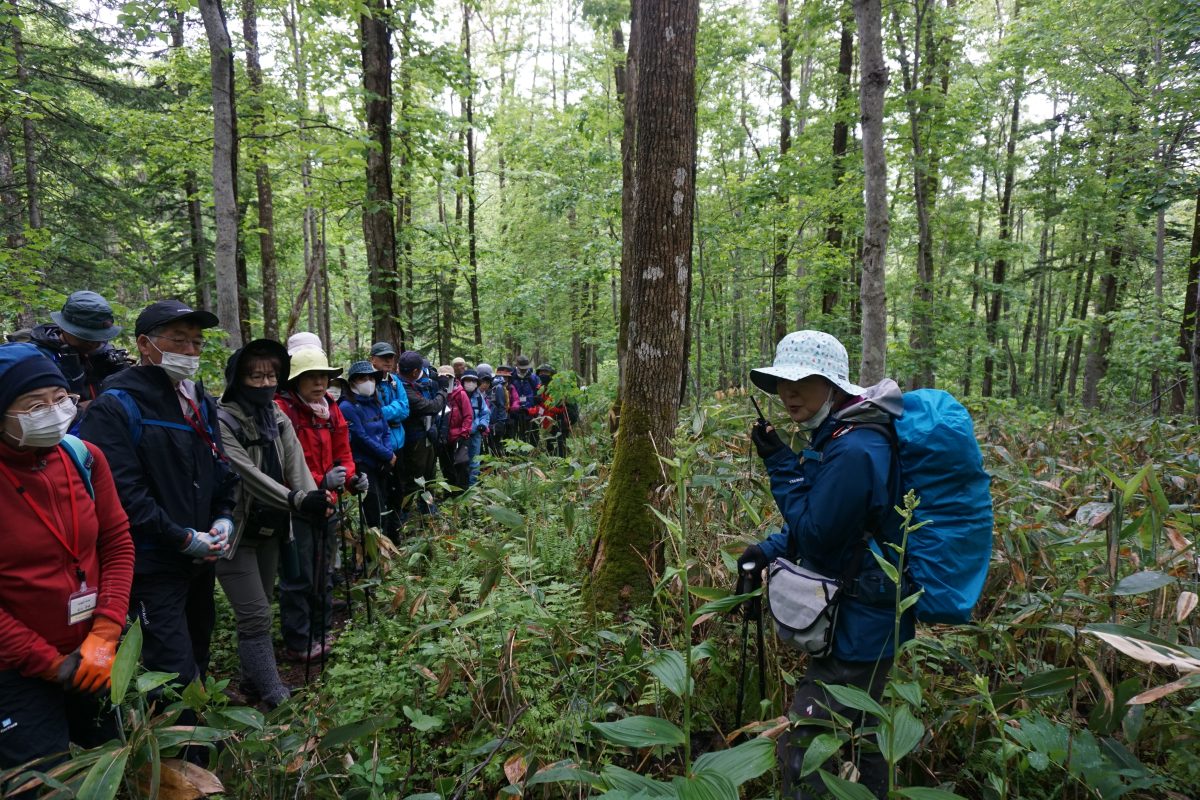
(677, 203)
(681, 272)
(653, 273)
(646, 352)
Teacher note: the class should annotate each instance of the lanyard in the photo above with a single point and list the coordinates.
(59, 535)
(197, 424)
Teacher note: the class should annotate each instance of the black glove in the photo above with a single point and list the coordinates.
(752, 562)
(66, 670)
(766, 440)
(314, 503)
(444, 381)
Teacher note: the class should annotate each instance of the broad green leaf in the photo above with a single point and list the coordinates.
(422, 721)
(177, 735)
(671, 670)
(149, 681)
(1051, 682)
(888, 568)
(474, 616)
(351, 732)
(928, 793)
(740, 764)
(855, 698)
(507, 517)
(1135, 483)
(909, 691)
(633, 784)
(672, 525)
(246, 717)
(562, 772)
(900, 735)
(126, 661)
(105, 777)
(911, 600)
(708, 592)
(816, 754)
(724, 604)
(639, 732)
(1141, 582)
(845, 790)
(704, 786)
(424, 796)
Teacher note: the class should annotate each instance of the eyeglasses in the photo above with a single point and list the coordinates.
(182, 342)
(37, 408)
(262, 377)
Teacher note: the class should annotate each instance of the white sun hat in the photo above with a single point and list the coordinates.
(804, 353)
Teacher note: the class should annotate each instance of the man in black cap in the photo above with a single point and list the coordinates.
(158, 429)
(78, 342)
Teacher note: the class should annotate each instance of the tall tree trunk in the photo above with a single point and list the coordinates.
(1187, 327)
(1102, 335)
(262, 176)
(12, 213)
(873, 85)
(1000, 268)
(627, 86)
(191, 194)
(468, 114)
(783, 197)
(404, 198)
(224, 169)
(378, 222)
(841, 136)
(33, 200)
(662, 249)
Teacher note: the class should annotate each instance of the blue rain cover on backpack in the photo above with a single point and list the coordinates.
(940, 461)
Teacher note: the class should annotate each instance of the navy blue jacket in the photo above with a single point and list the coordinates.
(170, 480)
(846, 483)
(370, 438)
(527, 388)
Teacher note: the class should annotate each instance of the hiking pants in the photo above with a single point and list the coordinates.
(306, 583)
(175, 605)
(475, 444)
(812, 702)
(249, 582)
(39, 718)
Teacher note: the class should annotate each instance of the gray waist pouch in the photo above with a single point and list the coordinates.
(804, 604)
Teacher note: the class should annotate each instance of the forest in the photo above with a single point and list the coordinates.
(996, 199)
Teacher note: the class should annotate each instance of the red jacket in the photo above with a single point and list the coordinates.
(37, 573)
(461, 416)
(324, 441)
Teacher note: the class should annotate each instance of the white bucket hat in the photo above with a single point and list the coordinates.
(804, 353)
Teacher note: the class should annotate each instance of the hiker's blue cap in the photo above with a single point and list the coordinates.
(164, 312)
(362, 368)
(24, 368)
(88, 316)
(409, 361)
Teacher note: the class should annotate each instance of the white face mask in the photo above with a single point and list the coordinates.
(470, 385)
(814, 422)
(335, 392)
(46, 427)
(178, 366)
(364, 388)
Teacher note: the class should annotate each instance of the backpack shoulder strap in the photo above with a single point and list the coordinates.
(136, 421)
(77, 451)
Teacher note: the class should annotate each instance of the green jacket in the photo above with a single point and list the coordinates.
(247, 462)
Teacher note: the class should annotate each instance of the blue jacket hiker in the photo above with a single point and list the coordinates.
(833, 495)
(372, 443)
(480, 422)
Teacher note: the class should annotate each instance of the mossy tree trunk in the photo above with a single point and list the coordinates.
(661, 253)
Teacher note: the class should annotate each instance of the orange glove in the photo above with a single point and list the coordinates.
(96, 657)
(51, 673)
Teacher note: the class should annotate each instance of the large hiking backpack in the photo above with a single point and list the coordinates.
(82, 458)
(940, 462)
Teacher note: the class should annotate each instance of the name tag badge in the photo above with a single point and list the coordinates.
(81, 605)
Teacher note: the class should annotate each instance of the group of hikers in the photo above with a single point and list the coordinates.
(130, 491)
(167, 490)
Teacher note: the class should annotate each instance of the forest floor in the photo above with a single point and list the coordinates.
(483, 673)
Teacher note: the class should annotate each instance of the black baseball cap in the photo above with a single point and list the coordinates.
(165, 312)
(382, 349)
(409, 361)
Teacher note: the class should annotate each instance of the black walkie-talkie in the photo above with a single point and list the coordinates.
(762, 421)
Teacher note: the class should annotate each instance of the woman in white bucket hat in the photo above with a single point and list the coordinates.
(844, 484)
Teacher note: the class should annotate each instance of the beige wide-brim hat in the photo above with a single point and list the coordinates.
(804, 353)
(311, 359)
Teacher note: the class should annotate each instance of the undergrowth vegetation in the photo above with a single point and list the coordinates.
(482, 673)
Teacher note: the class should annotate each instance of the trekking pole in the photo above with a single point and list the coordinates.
(311, 627)
(747, 582)
(362, 539)
(345, 560)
